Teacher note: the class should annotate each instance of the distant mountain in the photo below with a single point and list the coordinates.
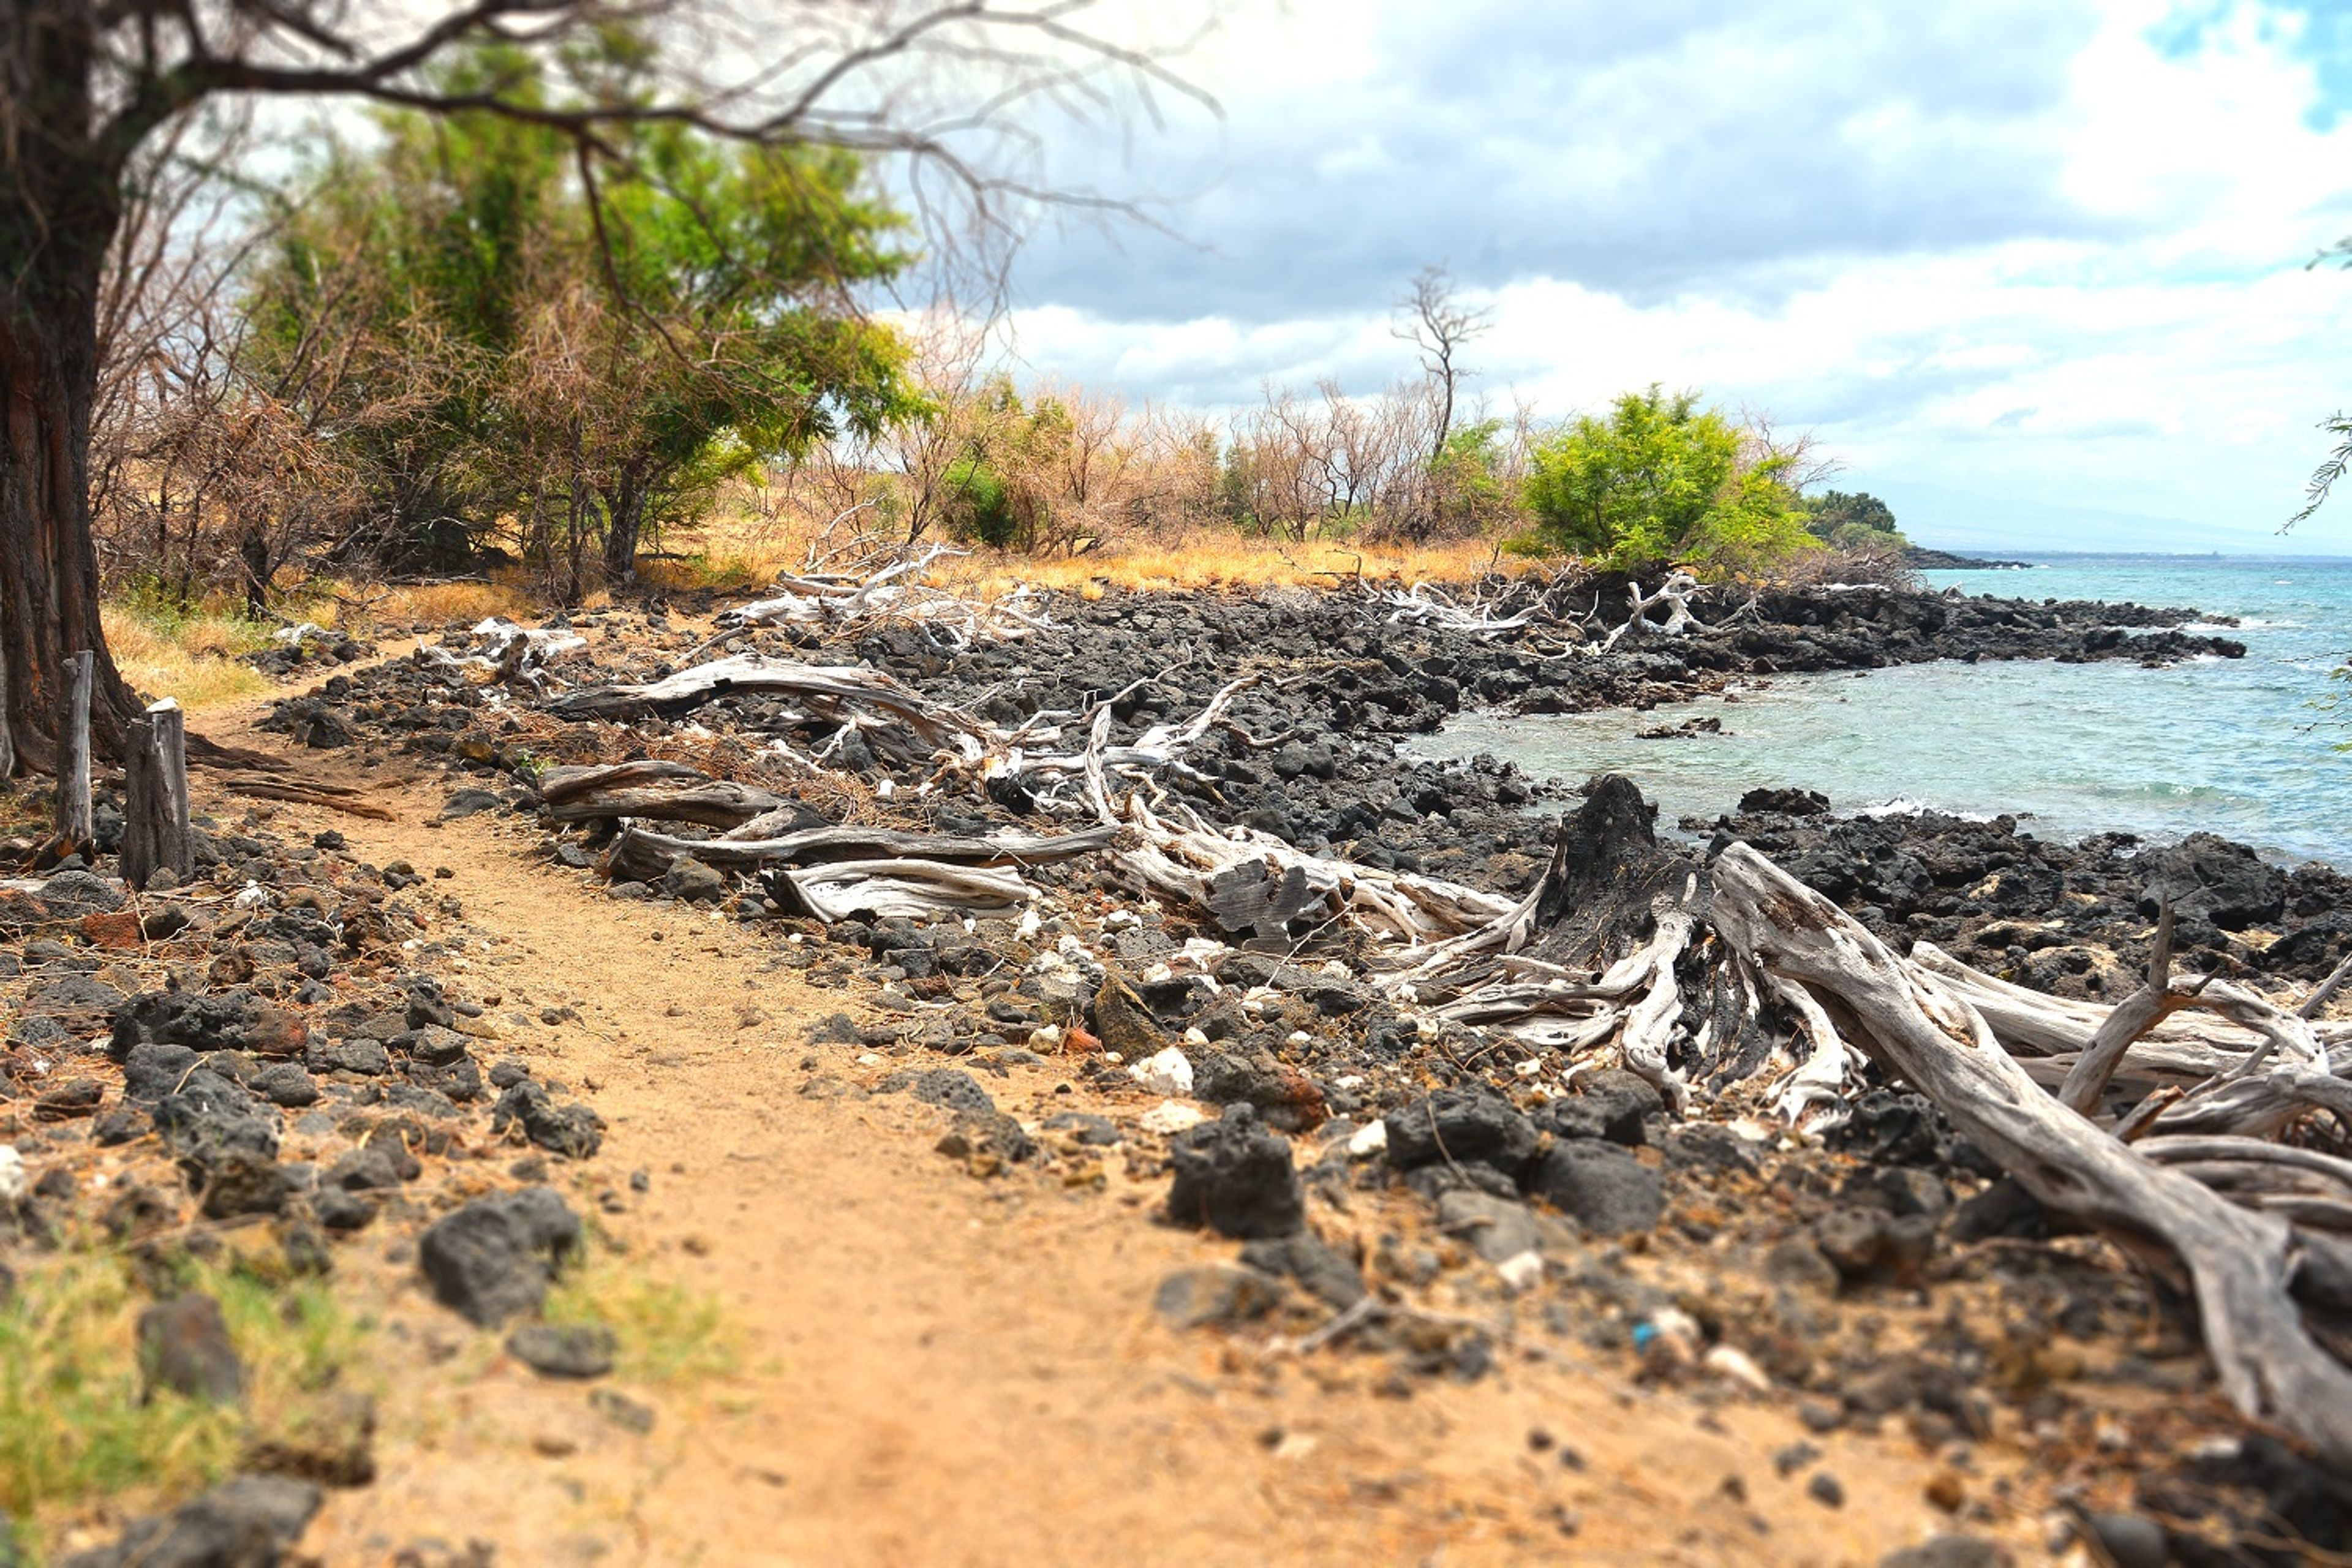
(1969, 523)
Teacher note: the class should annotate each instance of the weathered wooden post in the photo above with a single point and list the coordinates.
(75, 829)
(155, 828)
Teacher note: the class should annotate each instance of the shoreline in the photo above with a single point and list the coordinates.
(1236, 1046)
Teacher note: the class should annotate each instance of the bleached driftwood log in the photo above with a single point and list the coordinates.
(894, 887)
(666, 792)
(890, 589)
(1185, 861)
(641, 851)
(1426, 604)
(2241, 1266)
(831, 690)
(1675, 592)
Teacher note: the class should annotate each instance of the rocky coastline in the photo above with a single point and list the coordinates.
(304, 1057)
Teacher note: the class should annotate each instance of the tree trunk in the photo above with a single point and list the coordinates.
(60, 203)
(625, 518)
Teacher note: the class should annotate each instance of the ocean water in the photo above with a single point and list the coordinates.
(2231, 746)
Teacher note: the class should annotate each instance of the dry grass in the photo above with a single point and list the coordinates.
(665, 1334)
(193, 654)
(739, 551)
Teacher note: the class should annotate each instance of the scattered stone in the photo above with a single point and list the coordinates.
(1215, 1294)
(1826, 1489)
(567, 1349)
(1322, 1269)
(495, 1258)
(1460, 1126)
(2130, 1540)
(622, 1411)
(1601, 1186)
(690, 881)
(185, 1348)
(1497, 1229)
(574, 1130)
(247, 1522)
(954, 1090)
(1234, 1176)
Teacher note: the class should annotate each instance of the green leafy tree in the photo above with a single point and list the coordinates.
(1662, 478)
(1856, 521)
(597, 352)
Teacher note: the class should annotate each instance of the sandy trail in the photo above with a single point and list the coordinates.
(938, 1369)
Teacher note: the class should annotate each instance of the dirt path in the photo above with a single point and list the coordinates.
(938, 1369)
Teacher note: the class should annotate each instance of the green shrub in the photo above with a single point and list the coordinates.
(1661, 478)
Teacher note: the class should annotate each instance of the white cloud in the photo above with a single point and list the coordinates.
(2031, 247)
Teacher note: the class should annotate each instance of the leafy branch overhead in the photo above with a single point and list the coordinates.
(599, 351)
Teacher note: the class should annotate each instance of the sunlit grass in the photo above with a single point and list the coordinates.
(193, 655)
(76, 1425)
(738, 549)
(665, 1335)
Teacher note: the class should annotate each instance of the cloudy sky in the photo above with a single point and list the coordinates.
(2033, 268)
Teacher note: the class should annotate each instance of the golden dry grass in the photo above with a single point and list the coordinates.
(194, 656)
(738, 551)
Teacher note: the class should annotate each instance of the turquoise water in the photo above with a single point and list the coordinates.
(2230, 746)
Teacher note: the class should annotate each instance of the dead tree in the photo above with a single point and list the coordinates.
(1439, 325)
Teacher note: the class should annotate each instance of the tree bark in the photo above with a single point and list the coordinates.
(625, 520)
(60, 203)
(76, 829)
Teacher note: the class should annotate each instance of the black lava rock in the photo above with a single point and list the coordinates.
(1601, 1186)
(495, 1258)
(1234, 1176)
(247, 1522)
(1459, 1126)
(567, 1349)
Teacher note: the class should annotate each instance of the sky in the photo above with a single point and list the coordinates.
(2036, 271)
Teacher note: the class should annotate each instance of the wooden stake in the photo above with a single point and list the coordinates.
(75, 829)
(155, 830)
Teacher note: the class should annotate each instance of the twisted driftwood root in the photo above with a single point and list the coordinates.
(2243, 1267)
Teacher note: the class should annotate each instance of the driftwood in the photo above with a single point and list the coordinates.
(641, 852)
(156, 830)
(76, 828)
(1426, 604)
(888, 589)
(2241, 1266)
(333, 797)
(1188, 862)
(666, 792)
(1675, 592)
(834, 690)
(913, 888)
